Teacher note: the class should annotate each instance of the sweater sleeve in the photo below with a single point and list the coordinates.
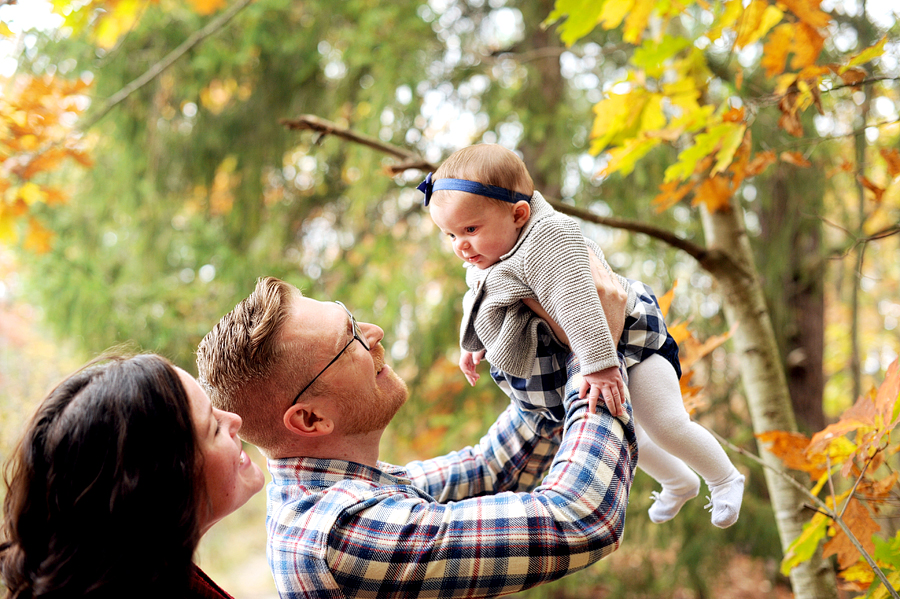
(557, 269)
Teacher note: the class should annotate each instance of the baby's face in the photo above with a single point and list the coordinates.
(481, 231)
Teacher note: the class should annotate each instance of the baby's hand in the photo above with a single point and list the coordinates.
(607, 383)
(468, 361)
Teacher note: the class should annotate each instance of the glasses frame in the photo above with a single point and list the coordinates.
(357, 336)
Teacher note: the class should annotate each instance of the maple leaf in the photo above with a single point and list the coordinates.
(714, 193)
(760, 162)
(858, 519)
(665, 300)
(808, 12)
(637, 20)
(776, 50)
(791, 449)
(671, 193)
(892, 158)
(758, 18)
(804, 546)
(807, 45)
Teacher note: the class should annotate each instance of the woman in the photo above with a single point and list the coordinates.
(122, 469)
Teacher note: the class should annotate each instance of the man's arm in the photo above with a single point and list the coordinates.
(397, 543)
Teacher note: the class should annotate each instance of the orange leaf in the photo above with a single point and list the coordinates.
(790, 122)
(776, 49)
(665, 300)
(878, 489)
(679, 332)
(38, 239)
(892, 157)
(791, 448)
(714, 193)
(734, 115)
(760, 162)
(853, 76)
(844, 167)
(878, 191)
(206, 7)
(795, 158)
(670, 194)
(807, 46)
(858, 520)
(808, 12)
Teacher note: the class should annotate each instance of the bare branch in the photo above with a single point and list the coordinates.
(198, 36)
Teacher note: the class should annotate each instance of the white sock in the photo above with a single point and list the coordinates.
(667, 504)
(725, 500)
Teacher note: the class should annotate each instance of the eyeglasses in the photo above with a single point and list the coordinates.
(357, 336)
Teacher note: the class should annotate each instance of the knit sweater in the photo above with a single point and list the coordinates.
(549, 263)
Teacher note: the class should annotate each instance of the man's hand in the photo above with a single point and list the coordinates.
(613, 296)
(468, 362)
(607, 383)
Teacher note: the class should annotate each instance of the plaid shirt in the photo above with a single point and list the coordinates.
(461, 525)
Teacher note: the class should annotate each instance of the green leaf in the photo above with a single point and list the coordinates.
(804, 546)
(730, 143)
(888, 552)
(705, 145)
(581, 16)
(652, 54)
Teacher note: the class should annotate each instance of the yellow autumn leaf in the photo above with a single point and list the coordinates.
(665, 300)
(614, 12)
(759, 17)
(730, 14)
(5, 31)
(31, 193)
(116, 22)
(730, 143)
(776, 50)
(637, 20)
(866, 55)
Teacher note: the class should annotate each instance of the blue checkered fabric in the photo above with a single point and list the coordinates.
(460, 525)
(645, 334)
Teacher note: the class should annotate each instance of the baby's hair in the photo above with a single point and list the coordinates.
(488, 164)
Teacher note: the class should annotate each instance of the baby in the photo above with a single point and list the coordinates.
(517, 247)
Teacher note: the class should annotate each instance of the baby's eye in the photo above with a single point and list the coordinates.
(470, 229)
(451, 235)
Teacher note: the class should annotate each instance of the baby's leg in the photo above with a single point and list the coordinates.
(658, 407)
(679, 483)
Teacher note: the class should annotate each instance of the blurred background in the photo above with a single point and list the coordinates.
(161, 204)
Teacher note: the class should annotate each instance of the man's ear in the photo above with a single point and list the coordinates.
(307, 420)
(521, 213)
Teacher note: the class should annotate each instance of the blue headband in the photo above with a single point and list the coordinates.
(489, 191)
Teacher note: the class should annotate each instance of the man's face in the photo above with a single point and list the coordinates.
(363, 392)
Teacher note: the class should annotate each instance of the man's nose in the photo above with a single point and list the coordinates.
(372, 332)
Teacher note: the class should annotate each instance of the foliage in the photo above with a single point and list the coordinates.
(858, 447)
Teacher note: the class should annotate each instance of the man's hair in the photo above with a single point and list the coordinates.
(246, 367)
(109, 457)
(488, 164)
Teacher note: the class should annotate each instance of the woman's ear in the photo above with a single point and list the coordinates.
(521, 213)
(307, 421)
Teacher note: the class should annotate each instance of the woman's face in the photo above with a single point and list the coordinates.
(229, 478)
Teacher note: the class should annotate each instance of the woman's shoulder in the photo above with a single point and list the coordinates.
(203, 587)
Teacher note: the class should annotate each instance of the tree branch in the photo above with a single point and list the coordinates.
(198, 36)
(411, 160)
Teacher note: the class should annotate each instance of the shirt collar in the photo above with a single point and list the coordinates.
(327, 472)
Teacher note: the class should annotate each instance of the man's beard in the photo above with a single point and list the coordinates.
(366, 414)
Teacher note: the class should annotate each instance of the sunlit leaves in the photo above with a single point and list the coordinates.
(856, 446)
(758, 18)
(867, 55)
(37, 137)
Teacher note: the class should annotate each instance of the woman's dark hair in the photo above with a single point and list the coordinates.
(102, 499)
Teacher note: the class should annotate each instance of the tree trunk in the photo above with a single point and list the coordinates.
(765, 385)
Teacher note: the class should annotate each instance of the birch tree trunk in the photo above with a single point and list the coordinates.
(764, 383)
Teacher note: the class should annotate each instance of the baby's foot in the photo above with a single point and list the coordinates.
(725, 503)
(667, 504)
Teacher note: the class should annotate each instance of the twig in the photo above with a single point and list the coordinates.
(154, 71)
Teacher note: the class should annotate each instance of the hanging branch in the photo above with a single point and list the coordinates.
(410, 160)
(153, 72)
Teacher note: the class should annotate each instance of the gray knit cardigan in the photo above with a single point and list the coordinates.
(549, 263)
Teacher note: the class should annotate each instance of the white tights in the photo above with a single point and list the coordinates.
(666, 433)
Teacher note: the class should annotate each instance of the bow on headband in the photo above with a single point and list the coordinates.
(428, 187)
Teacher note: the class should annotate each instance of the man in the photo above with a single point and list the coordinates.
(315, 395)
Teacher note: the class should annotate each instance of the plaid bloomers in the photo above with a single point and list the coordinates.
(645, 334)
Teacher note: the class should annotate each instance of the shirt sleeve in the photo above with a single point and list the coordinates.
(513, 456)
(557, 270)
(400, 545)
